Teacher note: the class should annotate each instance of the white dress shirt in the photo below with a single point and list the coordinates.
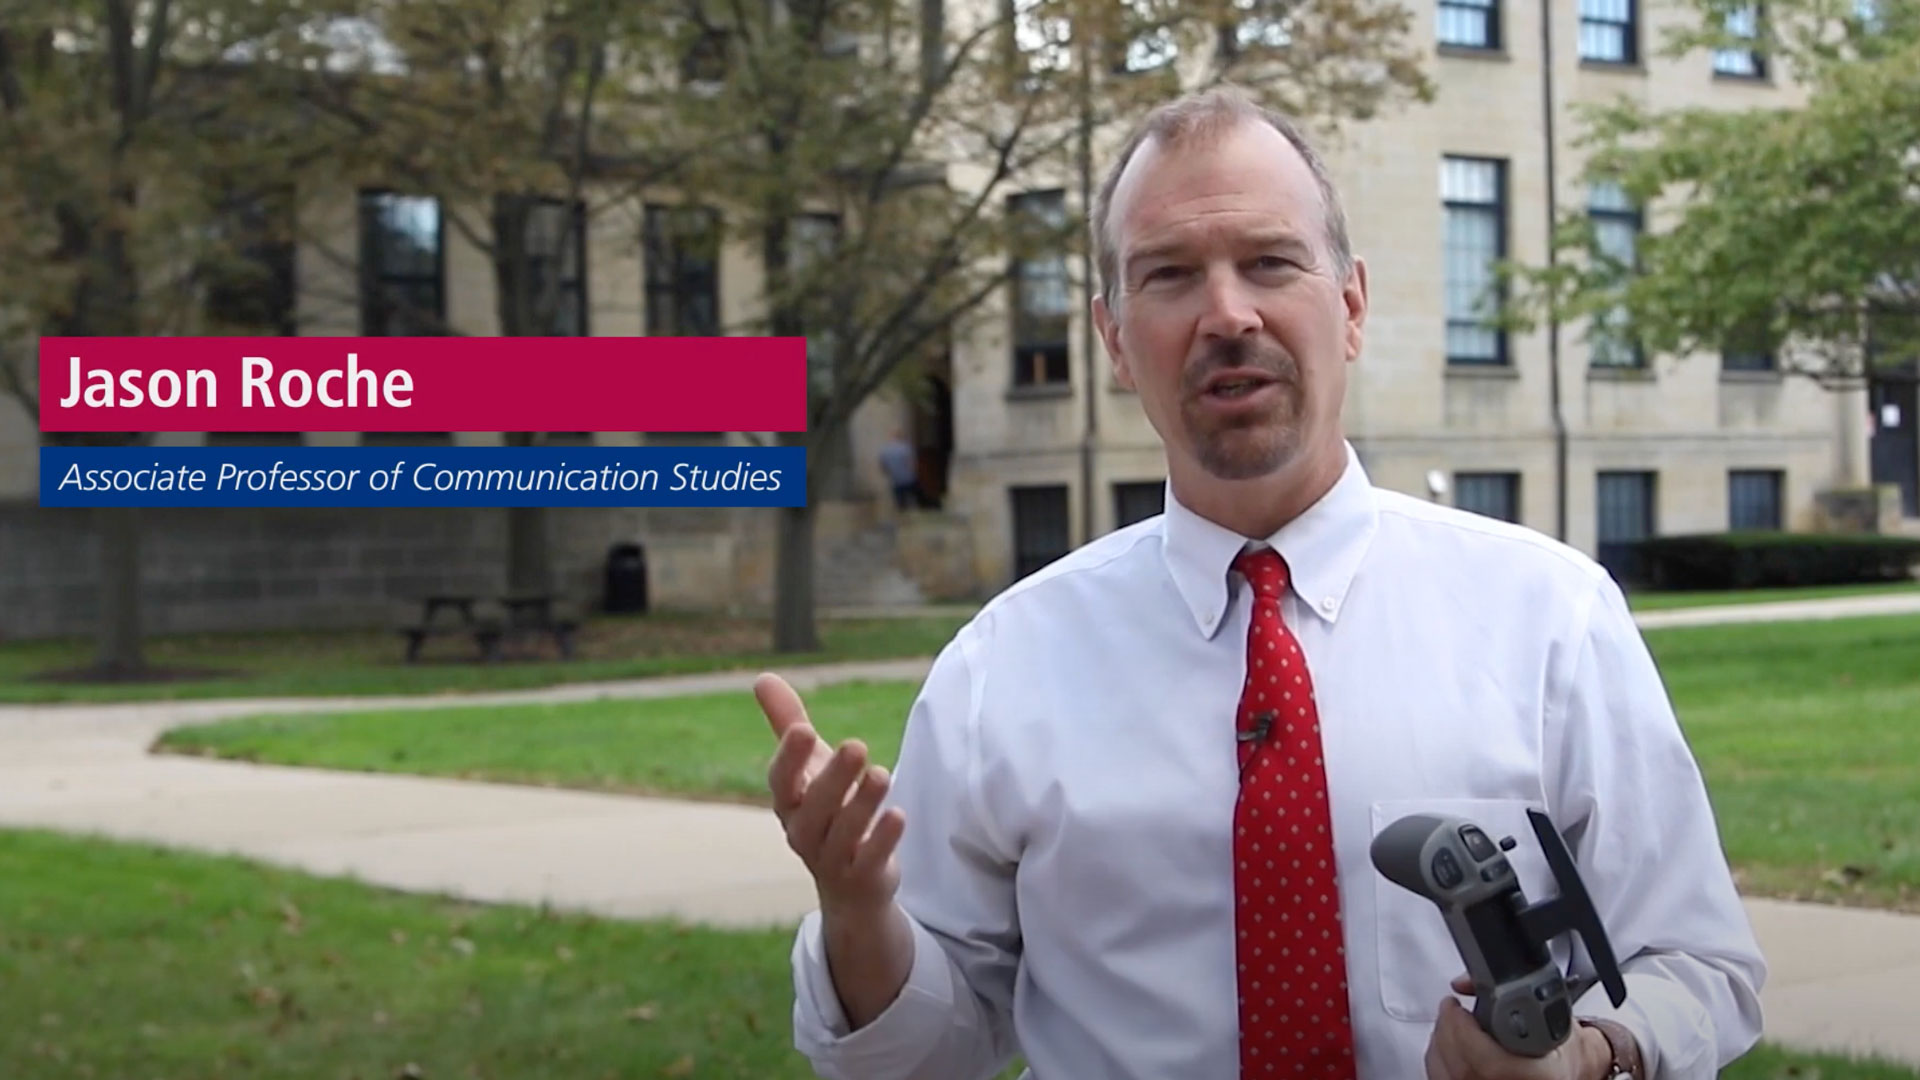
(1068, 774)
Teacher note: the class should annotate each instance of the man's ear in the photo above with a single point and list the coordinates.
(1110, 335)
(1355, 295)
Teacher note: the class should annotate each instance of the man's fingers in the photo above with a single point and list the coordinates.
(825, 795)
(787, 773)
(780, 702)
(849, 826)
(1450, 1038)
(880, 845)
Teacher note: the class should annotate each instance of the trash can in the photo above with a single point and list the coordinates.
(626, 579)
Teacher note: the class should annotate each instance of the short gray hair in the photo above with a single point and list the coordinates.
(1195, 118)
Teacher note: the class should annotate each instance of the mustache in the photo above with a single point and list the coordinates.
(1240, 353)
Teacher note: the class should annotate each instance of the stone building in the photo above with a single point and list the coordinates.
(1026, 445)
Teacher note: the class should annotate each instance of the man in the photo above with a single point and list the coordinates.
(1128, 833)
(903, 471)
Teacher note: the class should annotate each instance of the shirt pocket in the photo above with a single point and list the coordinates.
(1414, 950)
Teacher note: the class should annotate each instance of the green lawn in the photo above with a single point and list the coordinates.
(1807, 734)
(124, 961)
(361, 662)
(705, 746)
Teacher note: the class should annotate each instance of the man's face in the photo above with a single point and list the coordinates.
(1231, 319)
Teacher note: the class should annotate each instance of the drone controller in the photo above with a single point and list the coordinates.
(1520, 996)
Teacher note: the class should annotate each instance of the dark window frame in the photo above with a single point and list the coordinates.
(1500, 210)
(1039, 359)
(377, 310)
(669, 283)
(1635, 221)
(1131, 496)
(1030, 551)
(1756, 499)
(1612, 547)
(1483, 16)
(1506, 483)
(1595, 21)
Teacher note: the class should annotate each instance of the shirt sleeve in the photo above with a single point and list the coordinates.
(953, 1018)
(1636, 813)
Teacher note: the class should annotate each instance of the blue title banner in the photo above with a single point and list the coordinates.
(453, 476)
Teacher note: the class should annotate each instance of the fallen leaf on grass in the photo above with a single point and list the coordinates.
(410, 1071)
(683, 1067)
(641, 1014)
(1845, 875)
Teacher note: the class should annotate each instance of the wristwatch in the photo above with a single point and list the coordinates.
(1626, 1063)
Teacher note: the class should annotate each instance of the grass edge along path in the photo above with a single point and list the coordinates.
(1803, 732)
(129, 960)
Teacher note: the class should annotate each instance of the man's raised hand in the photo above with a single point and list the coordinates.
(827, 801)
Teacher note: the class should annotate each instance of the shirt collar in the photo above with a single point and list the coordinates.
(1323, 548)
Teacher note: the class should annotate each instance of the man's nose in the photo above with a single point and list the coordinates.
(1230, 311)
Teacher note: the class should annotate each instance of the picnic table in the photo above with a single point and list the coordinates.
(526, 616)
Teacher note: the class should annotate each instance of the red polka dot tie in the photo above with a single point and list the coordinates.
(1292, 956)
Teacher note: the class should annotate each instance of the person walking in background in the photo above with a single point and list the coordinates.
(902, 471)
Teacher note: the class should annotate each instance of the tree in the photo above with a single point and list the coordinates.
(142, 148)
(874, 150)
(1783, 230)
(507, 113)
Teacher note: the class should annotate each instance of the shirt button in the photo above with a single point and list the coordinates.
(1326, 605)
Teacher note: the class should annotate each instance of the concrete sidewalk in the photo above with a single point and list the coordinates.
(1839, 981)
(1847, 607)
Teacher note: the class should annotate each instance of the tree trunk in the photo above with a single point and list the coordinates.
(795, 621)
(529, 563)
(118, 629)
(521, 314)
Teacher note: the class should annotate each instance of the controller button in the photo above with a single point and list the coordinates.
(1446, 869)
(1559, 1020)
(1547, 991)
(1517, 1020)
(1477, 843)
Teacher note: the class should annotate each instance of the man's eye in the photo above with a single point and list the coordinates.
(1164, 273)
(1273, 262)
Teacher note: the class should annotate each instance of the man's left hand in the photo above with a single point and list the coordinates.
(1459, 1050)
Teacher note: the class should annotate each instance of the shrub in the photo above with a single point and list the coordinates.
(1749, 560)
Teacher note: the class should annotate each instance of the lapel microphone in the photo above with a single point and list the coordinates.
(1258, 734)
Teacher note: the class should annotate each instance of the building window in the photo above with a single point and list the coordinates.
(1747, 360)
(553, 248)
(1754, 498)
(1470, 24)
(402, 266)
(1474, 192)
(1616, 227)
(681, 246)
(1039, 527)
(1609, 31)
(1490, 494)
(812, 241)
(1042, 297)
(1745, 63)
(1625, 515)
(1138, 501)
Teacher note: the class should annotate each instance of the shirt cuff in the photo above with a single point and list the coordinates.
(899, 1039)
(1674, 1032)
